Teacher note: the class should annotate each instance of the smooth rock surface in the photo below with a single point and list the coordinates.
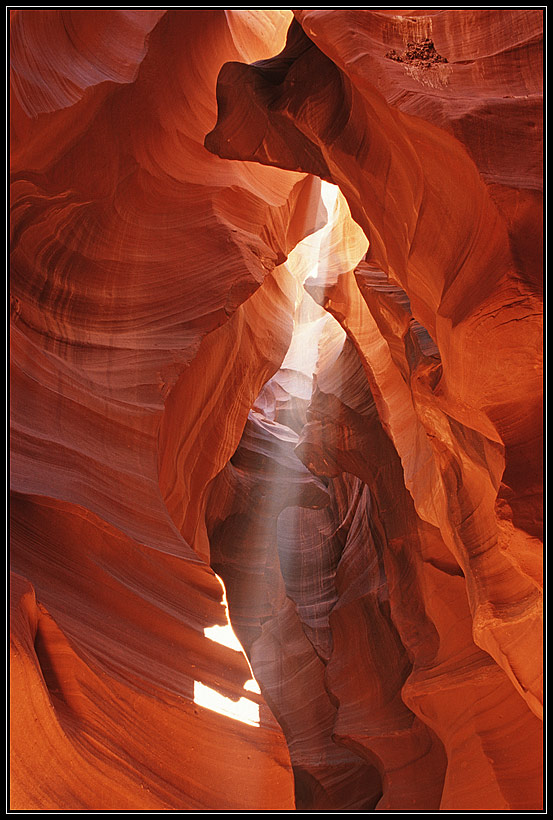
(131, 243)
(239, 396)
(416, 115)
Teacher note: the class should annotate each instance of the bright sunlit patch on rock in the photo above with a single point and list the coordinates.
(304, 260)
(310, 261)
(329, 194)
(303, 351)
(244, 710)
(223, 635)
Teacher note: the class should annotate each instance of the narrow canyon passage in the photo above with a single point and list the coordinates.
(276, 410)
(277, 534)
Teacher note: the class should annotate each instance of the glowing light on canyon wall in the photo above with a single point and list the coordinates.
(223, 635)
(243, 709)
(317, 260)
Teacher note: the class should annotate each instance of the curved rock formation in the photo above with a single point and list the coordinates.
(406, 138)
(353, 476)
(430, 706)
(130, 244)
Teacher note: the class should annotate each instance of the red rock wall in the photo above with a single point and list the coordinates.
(388, 592)
(416, 116)
(131, 243)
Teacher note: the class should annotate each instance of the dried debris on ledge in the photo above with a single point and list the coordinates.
(422, 54)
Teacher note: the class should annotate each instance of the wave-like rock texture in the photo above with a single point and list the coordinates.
(417, 116)
(414, 691)
(136, 354)
(368, 489)
(276, 534)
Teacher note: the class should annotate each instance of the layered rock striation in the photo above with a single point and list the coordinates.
(444, 312)
(132, 244)
(222, 409)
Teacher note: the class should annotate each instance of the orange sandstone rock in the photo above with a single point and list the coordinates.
(131, 243)
(445, 316)
(370, 494)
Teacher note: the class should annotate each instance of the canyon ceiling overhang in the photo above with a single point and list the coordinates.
(240, 396)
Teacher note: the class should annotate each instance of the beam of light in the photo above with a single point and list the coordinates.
(293, 502)
(244, 709)
(317, 260)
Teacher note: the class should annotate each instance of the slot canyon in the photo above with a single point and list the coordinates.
(276, 410)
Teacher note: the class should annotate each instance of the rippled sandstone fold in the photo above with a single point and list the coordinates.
(416, 696)
(416, 115)
(130, 245)
(378, 532)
